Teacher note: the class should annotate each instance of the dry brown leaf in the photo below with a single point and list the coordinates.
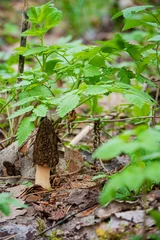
(83, 184)
(136, 216)
(57, 215)
(114, 207)
(74, 159)
(16, 190)
(87, 212)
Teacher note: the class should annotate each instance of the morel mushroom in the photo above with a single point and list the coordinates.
(45, 153)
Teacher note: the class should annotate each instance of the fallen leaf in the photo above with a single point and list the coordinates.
(136, 216)
(82, 197)
(74, 159)
(57, 215)
(114, 207)
(16, 190)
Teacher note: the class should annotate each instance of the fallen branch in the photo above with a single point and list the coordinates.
(81, 135)
(32, 178)
(65, 219)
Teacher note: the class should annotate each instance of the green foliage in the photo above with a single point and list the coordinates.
(6, 200)
(25, 128)
(156, 216)
(142, 145)
(88, 72)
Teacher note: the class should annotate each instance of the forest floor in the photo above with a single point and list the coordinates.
(70, 210)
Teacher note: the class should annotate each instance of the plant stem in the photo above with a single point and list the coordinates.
(158, 88)
(23, 39)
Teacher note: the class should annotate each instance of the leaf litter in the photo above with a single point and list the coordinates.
(71, 208)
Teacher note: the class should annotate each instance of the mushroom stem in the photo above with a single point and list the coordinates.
(42, 177)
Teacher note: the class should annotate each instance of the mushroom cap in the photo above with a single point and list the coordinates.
(45, 152)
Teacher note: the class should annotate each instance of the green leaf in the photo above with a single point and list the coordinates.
(143, 79)
(125, 75)
(41, 110)
(50, 65)
(109, 150)
(95, 89)
(98, 61)
(131, 177)
(24, 101)
(21, 112)
(42, 18)
(135, 99)
(134, 51)
(40, 91)
(138, 97)
(127, 13)
(90, 71)
(53, 18)
(36, 32)
(144, 111)
(35, 50)
(20, 50)
(156, 216)
(67, 103)
(130, 23)
(155, 38)
(24, 130)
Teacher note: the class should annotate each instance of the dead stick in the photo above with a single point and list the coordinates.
(23, 41)
(32, 178)
(65, 219)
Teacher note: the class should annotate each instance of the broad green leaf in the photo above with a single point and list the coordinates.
(155, 38)
(125, 75)
(50, 65)
(152, 172)
(134, 51)
(131, 23)
(36, 32)
(5, 209)
(24, 130)
(127, 13)
(40, 110)
(132, 177)
(40, 91)
(144, 111)
(53, 18)
(143, 79)
(98, 61)
(20, 50)
(135, 99)
(35, 50)
(90, 71)
(95, 89)
(109, 150)
(67, 103)
(156, 216)
(24, 101)
(21, 112)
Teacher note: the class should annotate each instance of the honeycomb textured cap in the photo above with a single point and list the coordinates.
(45, 151)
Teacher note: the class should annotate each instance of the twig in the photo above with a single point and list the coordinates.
(102, 164)
(158, 88)
(23, 39)
(7, 139)
(113, 120)
(32, 178)
(81, 135)
(16, 177)
(64, 220)
(10, 237)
